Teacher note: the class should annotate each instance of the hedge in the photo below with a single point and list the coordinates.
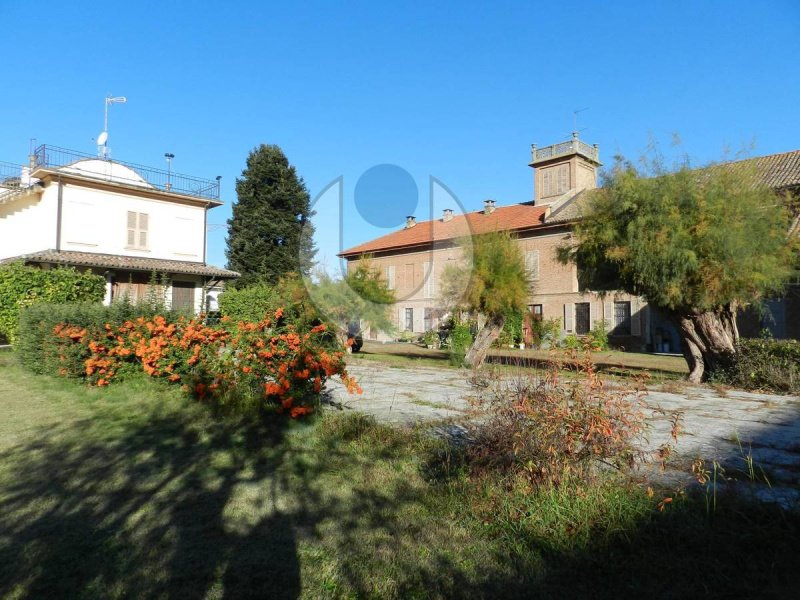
(269, 366)
(22, 286)
(765, 364)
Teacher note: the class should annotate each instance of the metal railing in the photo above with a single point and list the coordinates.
(573, 146)
(10, 175)
(53, 157)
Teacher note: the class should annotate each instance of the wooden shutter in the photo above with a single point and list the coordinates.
(143, 223)
(131, 228)
(547, 182)
(569, 316)
(608, 315)
(636, 320)
(563, 178)
(390, 277)
(183, 295)
(532, 264)
(429, 287)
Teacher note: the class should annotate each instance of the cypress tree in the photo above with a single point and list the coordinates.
(270, 233)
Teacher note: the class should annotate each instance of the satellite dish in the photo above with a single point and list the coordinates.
(102, 138)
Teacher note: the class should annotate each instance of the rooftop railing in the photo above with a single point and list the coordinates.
(10, 175)
(573, 146)
(53, 157)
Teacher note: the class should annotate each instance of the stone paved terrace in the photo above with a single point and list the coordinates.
(722, 426)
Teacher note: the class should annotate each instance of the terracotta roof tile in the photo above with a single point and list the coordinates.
(115, 261)
(504, 218)
(777, 171)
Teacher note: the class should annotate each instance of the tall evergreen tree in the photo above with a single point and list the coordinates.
(270, 233)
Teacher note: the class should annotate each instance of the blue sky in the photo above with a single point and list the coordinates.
(457, 91)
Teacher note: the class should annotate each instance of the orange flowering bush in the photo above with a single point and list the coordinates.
(264, 364)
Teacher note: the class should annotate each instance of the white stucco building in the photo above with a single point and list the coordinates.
(120, 220)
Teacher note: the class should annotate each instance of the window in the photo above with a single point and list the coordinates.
(582, 324)
(622, 318)
(428, 320)
(536, 311)
(532, 264)
(409, 319)
(137, 230)
(390, 277)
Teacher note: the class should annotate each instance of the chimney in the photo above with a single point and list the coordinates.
(411, 220)
(488, 207)
(447, 215)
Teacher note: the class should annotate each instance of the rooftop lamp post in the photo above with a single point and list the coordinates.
(169, 156)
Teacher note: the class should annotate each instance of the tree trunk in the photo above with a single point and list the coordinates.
(483, 341)
(709, 340)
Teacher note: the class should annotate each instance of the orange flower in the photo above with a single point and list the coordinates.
(299, 411)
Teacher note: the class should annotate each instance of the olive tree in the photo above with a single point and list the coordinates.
(696, 243)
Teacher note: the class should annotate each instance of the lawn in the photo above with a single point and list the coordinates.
(612, 361)
(134, 491)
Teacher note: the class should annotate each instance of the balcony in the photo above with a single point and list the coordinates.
(573, 146)
(94, 167)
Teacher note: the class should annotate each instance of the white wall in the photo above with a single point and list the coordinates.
(28, 223)
(96, 221)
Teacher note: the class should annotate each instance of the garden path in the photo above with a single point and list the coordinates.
(728, 427)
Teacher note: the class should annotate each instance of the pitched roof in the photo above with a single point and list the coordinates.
(504, 218)
(777, 171)
(115, 261)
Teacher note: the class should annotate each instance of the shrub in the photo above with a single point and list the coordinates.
(764, 364)
(250, 304)
(572, 342)
(545, 331)
(22, 286)
(460, 340)
(597, 339)
(550, 430)
(264, 365)
(37, 347)
(430, 338)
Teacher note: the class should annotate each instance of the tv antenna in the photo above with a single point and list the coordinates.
(102, 139)
(575, 113)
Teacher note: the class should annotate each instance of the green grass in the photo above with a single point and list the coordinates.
(134, 491)
(613, 362)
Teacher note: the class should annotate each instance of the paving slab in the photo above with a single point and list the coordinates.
(735, 429)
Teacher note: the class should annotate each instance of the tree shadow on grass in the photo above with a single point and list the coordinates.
(148, 512)
(172, 505)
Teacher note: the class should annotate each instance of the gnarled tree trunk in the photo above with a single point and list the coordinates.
(709, 340)
(483, 341)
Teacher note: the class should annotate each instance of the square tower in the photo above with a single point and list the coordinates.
(563, 167)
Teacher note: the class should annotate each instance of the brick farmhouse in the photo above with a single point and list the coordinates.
(413, 259)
